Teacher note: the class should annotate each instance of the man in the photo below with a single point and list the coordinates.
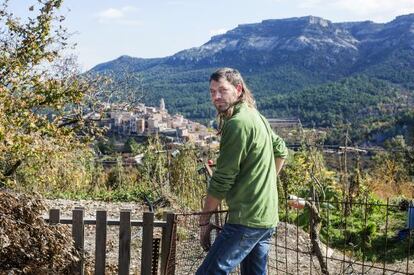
(250, 157)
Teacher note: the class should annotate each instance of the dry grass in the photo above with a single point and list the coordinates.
(28, 245)
(384, 190)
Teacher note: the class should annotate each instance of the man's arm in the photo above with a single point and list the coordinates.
(280, 151)
(233, 150)
(279, 164)
(210, 204)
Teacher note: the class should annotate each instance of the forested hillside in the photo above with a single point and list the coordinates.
(327, 74)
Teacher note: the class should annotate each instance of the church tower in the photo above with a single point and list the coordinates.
(162, 104)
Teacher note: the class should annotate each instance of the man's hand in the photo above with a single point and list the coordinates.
(210, 204)
(205, 235)
(205, 238)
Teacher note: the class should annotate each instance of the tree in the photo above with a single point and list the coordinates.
(132, 146)
(42, 94)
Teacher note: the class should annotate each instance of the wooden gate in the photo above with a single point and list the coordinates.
(150, 263)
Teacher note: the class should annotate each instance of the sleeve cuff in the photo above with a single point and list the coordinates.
(217, 195)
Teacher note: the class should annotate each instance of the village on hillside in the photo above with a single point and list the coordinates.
(141, 121)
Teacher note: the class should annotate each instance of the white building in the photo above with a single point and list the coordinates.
(162, 105)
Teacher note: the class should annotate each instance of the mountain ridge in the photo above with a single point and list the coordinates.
(281, 57)
(292, 34)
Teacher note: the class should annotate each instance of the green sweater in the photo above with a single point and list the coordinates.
(245, 174)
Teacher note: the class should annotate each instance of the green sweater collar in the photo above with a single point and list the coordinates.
(236, 109)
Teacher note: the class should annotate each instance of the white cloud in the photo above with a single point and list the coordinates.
(122, 16)
(110, 13)
(217, 32)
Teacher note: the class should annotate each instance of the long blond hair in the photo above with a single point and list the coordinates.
(234, 77)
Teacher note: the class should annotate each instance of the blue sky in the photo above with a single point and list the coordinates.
(105, 30)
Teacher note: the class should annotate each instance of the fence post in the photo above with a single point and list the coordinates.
(124, 242)
(78, 236)
(54, 216)
(168, 245)
(100, 242)
(147, 236)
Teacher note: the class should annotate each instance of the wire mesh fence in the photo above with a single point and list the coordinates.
(350, 245)
(371, 238)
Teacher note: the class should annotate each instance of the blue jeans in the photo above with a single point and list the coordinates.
(238, 244)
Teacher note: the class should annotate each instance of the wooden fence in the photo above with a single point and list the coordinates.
(150, 246)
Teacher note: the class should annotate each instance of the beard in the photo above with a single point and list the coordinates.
(225, 108)
(222, 107)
